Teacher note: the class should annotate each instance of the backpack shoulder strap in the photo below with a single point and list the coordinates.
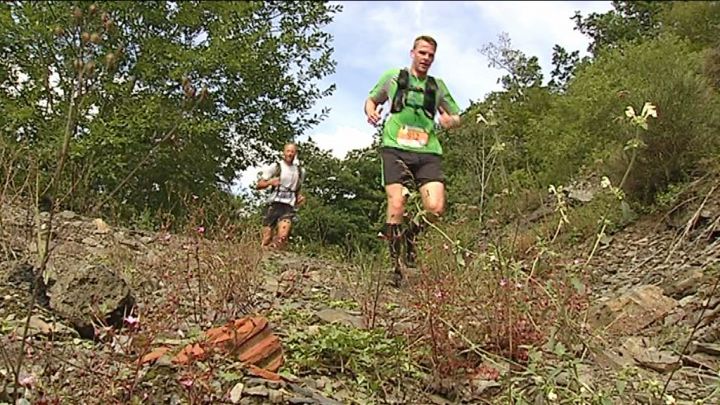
(430, 100)
(403, 82)
(278, 168)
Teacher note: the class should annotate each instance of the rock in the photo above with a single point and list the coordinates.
(90, 241)
(301, 400)
(632, 311)
(686, 300)
(236, 393)
(82, 295)
(39, 326)
(100, 226)
(583, 196)
(67, 215)
(257, 391)
(275, 397)
(636, 350)
(687, 285)
(658, 360)
(709, 348)
(485, 387)
(271, 284)
(691, 373)
(330, 315)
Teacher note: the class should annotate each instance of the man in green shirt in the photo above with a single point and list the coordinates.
(411, 152)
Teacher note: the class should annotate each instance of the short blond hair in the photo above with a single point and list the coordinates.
(427, 38)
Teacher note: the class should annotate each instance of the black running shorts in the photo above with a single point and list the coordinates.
(410, 168)
(278, 212)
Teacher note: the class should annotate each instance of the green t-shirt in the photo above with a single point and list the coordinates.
(401, 129)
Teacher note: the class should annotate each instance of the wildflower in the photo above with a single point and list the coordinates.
(27, 380)
(201, 230)
(480, 119)
(503, 282)
(446, 246)
(194, 197)
(630, 112)
(518, 285)
(605, 182)
(552, 396)
(187, 382)
(132, 321)
(649, 110)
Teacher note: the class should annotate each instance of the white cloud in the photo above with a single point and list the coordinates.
(344, 139)
(535, 27)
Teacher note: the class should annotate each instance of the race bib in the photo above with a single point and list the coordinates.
(412, 136)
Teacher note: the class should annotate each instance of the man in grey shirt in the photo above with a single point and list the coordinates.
(285, 178)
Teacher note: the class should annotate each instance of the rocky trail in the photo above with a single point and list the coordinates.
(126, 316)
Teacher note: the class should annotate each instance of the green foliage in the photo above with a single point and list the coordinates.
(632, 21)
(564, 65)
(665, 72)
(168, 95)
(698, 22)
(370, 357)
(344, 198)
(522, 72)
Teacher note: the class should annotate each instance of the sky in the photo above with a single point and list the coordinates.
(371, 37)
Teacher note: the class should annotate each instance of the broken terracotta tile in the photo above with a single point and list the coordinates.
(249, 339)
(262, 373)
(154, 355)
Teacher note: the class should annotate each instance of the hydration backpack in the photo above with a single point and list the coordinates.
(400, 99)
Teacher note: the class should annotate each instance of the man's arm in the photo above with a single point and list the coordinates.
(262, 184)
(378, 95)
(371, 111)
(266, 178)
(448, 108)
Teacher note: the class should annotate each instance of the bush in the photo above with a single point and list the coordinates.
(664, 71)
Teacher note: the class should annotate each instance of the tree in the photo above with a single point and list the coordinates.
(166, 98)
(523, 72)
(564, 65)
(629, 21)
(348, 197)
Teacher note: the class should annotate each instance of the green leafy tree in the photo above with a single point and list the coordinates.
(564, 64)
(586, 127)
(345, 198)
(522, 72)
(628, 21)
(163, 99)
(696, 21)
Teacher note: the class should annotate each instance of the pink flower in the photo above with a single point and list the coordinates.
(187, 383)
(445, 246)
(27, 380)
(201, 230)
(132, 321)
(503, 283)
